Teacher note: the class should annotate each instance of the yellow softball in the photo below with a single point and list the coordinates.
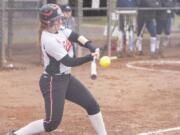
(105, 61)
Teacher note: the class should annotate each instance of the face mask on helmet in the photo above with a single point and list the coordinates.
(50, 13)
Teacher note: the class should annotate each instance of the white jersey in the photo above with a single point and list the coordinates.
(56, 46)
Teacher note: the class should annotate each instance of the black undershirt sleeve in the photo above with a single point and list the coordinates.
(72, 62)
(74, 38)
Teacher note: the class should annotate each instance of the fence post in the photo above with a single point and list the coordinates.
(10, 28)
(109, 18)
(79, 13)
(2, 53)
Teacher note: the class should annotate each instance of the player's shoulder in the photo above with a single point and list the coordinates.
(65, 31)
(47, 38)
(46, 35)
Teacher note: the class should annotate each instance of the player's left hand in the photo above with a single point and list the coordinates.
(96, 54)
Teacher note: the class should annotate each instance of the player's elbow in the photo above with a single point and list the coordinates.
(93, 108)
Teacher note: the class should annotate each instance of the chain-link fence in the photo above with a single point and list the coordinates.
(19, 24)
(19, 28)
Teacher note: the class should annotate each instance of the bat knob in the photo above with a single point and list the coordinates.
(93, 77)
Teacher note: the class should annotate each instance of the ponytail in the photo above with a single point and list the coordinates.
(42, 27)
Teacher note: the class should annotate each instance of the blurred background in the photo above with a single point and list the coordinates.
(95, 19)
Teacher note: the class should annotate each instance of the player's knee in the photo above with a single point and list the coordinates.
(93, 108)
(50, 126)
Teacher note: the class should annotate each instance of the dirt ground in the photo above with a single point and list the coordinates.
(132, 101)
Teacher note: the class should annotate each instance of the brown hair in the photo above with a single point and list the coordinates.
(42, 27)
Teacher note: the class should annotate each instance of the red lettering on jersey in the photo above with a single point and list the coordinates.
(67, 45)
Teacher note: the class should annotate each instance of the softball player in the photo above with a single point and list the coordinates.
(125, 28)
(164, 21)
(56, 82)
(146, 18)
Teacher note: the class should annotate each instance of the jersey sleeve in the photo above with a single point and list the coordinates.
(55, 49)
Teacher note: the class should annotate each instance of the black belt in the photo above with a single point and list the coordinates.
(58, 74)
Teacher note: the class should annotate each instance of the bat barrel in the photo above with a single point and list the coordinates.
(93, 69)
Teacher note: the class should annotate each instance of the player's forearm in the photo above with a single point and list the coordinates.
(81, 40)
(71, 62)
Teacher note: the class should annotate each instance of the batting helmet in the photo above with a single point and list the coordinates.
(50, 13)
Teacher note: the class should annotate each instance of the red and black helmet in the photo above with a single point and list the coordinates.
(49, 13)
